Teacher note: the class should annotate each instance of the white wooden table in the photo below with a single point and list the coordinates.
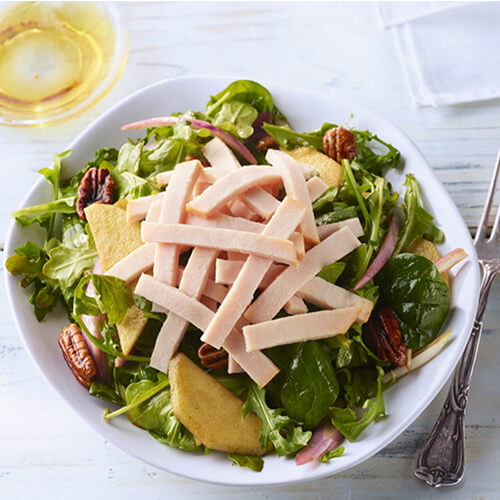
(46, 451)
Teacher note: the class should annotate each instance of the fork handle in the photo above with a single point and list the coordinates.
(440, 462)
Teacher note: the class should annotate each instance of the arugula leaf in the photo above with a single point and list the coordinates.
(325, 203)
(129, 158)
(418, 222)
(369, 159)
(67, 263)
(236, 117)
(244, 91)
(346, 420)
(53, 175)
(340, 211)
(252, 462)
(337, 452)
(310, 387)
(28, 261)
(277, 428)
(42, 214)
(289, 139)
(413, 288)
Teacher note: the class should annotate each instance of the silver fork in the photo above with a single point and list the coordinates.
(440, 462)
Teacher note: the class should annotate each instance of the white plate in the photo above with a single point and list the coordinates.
(305, 110)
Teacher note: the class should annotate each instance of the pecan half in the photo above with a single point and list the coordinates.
(266, 143)
(383, 336)
(339, 144)
(96, 186)
(210, 357)
(76, 354)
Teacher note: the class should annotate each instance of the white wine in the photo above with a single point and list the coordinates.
(56, 58)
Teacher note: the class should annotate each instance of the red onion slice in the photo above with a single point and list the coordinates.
(324, 439)
(447, 261)
(166, 121)
(92, 323)
(386, 250)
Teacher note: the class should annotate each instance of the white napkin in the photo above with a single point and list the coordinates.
(450, 51)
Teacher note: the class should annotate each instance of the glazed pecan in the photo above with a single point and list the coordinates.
(76, 354)
(339, 144)
(383, 336)
(210, 357)
(96, 186)
(266, 143)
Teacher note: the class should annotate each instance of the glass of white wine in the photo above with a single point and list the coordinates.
(57, 58)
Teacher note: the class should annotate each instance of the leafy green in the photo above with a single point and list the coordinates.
(289, 139)
(149, 405)
(310, 386)
(337, 452)
(415, 291)
(325, 203)
(252, 462)
(418, 222)
(113, 298)
(42, 214)
(53, 175)
(244, 91)
(340, 211)
(67, 263)
(347, 421)
(237, 118)
(129, 158)
(373, 161)
(28, 261)
(277, 428)
(332, 272)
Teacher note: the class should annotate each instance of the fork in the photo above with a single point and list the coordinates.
(440, 462)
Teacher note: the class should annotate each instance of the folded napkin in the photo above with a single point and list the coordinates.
(450, 51)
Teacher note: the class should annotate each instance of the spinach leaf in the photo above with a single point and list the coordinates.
(236, 117)
(332, 272)
(413, 288)
(346, 419)
(113, 298)
(244, 91)
(277, 428)
(310, 387)
(156, 414)
(418, 222)
(252, 462)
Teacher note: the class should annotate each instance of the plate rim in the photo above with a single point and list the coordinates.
(317, 473)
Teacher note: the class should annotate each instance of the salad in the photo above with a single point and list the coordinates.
(232, 284)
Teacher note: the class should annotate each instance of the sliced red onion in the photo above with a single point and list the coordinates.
(166, 121)
(447, 261)
(324, 439)
(384, 253)
(258, 131)
(92, 323)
